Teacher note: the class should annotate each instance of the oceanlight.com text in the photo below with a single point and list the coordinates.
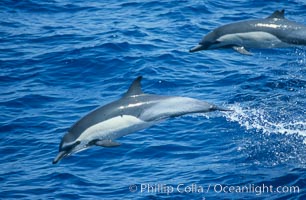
(214, 188)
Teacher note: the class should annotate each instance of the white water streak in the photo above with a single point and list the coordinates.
(262, 121)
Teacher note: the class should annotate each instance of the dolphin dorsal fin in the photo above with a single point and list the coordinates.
(278, 14)
(135, 88)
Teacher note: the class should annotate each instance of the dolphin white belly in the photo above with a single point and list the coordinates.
(112, 129)
(256, 39)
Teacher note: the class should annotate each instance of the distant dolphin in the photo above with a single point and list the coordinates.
(133, 112)
(272, 32)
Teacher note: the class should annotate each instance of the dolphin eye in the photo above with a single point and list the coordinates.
(69, 147)
(92, 142)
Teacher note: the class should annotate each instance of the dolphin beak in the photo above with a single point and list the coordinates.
(197, 48)
(59, 156)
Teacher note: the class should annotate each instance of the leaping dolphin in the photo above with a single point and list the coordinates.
(272, 32)
(133, 112)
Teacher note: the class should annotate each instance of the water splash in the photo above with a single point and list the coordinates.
(262, 120)
(273, 140)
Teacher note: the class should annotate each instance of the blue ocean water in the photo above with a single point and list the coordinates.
(61, 59)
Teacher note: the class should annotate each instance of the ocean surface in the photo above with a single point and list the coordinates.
(60, 59)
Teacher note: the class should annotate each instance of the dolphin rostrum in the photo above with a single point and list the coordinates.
(272, 32)
(133, 112)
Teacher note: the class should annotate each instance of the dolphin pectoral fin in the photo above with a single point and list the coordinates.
(242, 50)
(107, 143)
